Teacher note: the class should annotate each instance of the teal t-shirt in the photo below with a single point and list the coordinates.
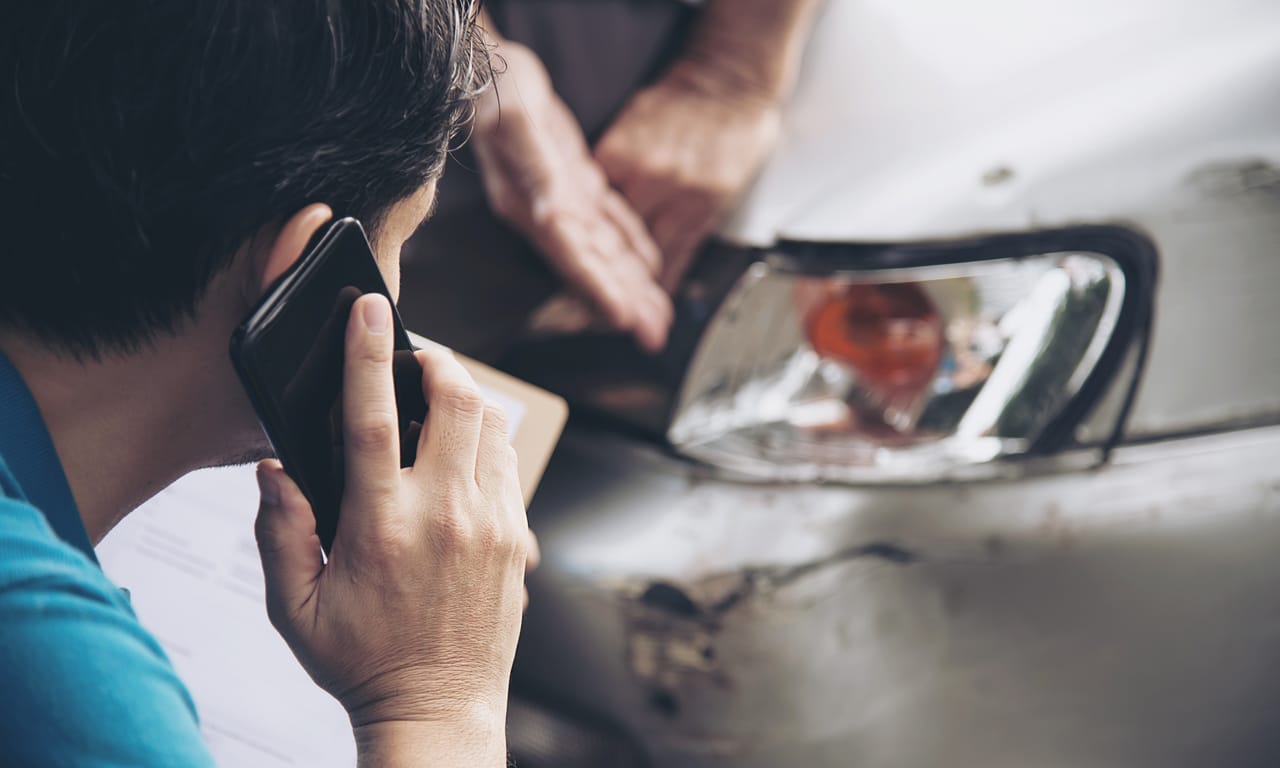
(81, 682)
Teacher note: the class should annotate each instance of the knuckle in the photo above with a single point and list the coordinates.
(372, 432)
(489, 536)
(475, 528)
(449, 513)
(495, 416)
(461, 399)
(450, 527)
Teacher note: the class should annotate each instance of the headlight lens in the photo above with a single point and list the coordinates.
(894, 375)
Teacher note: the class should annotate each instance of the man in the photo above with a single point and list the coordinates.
(160, 165)
(619, 136)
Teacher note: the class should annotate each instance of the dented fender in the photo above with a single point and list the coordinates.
(1061, 620)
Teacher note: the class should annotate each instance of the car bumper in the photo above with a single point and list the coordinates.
(1124, 616)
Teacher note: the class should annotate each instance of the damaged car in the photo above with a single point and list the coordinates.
(965, 448)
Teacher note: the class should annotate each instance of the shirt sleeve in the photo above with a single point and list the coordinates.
(83, 683)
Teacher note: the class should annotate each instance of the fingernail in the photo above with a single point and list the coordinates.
(269, 487)
(377, 316)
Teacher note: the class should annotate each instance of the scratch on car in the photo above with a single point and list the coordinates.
(672, 627)
(769, 578)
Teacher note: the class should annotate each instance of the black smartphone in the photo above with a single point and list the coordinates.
(289, 355)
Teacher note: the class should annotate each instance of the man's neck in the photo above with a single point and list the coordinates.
(127, 426)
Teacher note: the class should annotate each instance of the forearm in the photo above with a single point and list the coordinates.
(478, 743)
(751, 46)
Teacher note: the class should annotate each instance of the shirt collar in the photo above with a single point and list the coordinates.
(27, 449)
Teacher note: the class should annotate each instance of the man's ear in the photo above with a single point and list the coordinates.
(290, 242)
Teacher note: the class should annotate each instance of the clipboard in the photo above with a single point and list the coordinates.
(535, 416)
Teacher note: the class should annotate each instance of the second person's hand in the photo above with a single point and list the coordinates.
(539, 176)
(682, 151)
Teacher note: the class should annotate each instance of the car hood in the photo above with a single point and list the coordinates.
(932, 119)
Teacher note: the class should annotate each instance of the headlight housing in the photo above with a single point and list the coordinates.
(854, 364)
(875, 363)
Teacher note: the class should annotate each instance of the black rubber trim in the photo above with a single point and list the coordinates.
(1132, 251)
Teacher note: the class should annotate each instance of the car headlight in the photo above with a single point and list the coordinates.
(902, 364)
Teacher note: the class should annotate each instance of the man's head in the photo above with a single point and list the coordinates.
(147, 145)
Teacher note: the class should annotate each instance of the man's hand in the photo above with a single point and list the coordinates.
(682, 151)
(412, 623)
(539, 175)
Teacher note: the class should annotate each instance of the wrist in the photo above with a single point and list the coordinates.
(730, 72)
(475, 737)
(722, 79)
(749, 48)
(402, 696)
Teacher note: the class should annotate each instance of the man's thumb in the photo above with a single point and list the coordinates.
(287, 542)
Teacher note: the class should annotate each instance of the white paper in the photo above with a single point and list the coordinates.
(189, 561)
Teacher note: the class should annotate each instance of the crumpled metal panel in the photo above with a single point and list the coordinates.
(1123, 617)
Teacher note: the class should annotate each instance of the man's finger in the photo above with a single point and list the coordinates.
(633, 230)
(371, 441)
(287, 541)
(455, 412)
(589, 273)
(495, 459)
(655, 310)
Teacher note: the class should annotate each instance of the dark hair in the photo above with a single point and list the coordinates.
(142, 142)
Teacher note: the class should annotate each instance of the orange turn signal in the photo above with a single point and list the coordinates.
(890, 333)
